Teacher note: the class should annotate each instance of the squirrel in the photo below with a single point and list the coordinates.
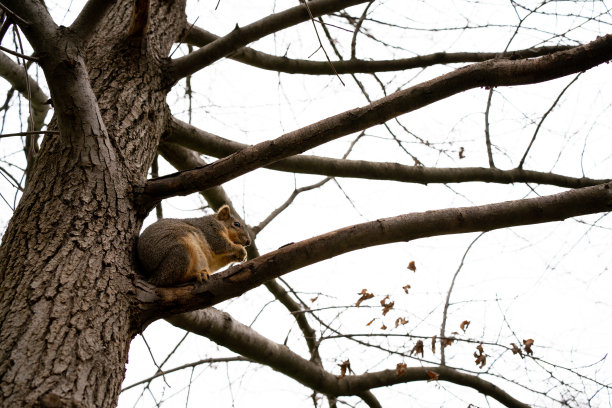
(173, 251)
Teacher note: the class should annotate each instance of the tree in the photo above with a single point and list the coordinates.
(71, 299)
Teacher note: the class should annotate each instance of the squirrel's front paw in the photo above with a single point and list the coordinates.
(240, 255)
(202, 275)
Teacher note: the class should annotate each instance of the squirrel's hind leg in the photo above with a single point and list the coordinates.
(197, 267)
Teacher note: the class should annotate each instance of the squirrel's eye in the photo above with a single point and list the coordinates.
(236, 224)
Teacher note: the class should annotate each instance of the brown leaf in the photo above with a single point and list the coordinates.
(400, 320)
(406, 288)
(448, 341)
(433, 376)
(344, 368)
(517, 350)
(386, 305)
(527, 346)
(481, 357)
(464, 325)
(461, 151)
(400, 369)
(412, 266)
(314, 299)
(364, 296)
(370, 322)
(418, 348)
(383, 327)
(433, 344)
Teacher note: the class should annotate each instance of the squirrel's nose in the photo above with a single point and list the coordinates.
(248, 242)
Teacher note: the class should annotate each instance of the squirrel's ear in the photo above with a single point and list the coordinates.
(223, 213)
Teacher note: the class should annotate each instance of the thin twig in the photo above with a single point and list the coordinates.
(28, 133)
(27, 57)
(487, 133)
(554, 104)
(357, 28)
(447, 302)
(320, 43)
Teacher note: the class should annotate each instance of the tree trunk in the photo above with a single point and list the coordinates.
(67, 260)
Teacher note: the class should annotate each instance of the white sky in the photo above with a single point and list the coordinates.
(548, 282)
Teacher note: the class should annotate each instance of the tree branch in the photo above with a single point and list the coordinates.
(90, 17)
(239, 37)
(221, 328)
(162, 302)
(35, 21)
(207, 143)
(27, 86)
(485, 74)
(200, 37)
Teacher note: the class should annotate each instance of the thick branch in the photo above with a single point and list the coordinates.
(239, 37)
(246, 55)
(27, 86)
(222, 329)
(35, 21)
(90, 17)
(162, 302)
(207, 143)
(489, 73)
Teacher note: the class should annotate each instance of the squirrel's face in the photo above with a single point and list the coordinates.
(238, 234)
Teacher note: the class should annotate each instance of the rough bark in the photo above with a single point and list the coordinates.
(66, 261)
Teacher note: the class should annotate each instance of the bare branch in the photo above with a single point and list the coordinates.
(200, 37)
(224, 330)
(161, 302)
(239, 37)
(554, 104)
(489, 73)
(16, 75)
(35, 21)
(90, 17)
(207, 143)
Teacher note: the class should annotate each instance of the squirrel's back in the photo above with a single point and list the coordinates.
(173, 251)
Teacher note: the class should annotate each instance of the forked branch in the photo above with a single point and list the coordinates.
(485, 74)
(224, 330)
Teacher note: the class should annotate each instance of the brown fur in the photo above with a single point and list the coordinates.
(173, 251)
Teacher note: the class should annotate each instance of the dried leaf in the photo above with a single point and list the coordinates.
(314, 299)
(448, 341)
(461, 151)
(412, 266)
(400, 320)
(364, 296)
(418, 348)
(464, 325)
(383, 327)
(433, 376)
(400, 369)
(386, 305)
(517, 350)
(527, 346)
(481, 357)
(406, 288)
(433, 344)
(344, 368)
(370, 322)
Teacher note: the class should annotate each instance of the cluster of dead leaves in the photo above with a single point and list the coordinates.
(386, 303)
(481, 357)
(526, 348)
